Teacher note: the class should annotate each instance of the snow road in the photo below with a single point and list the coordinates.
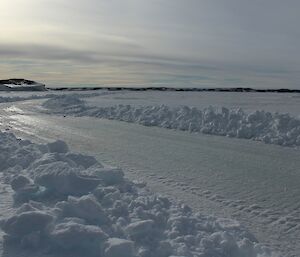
(255, 183)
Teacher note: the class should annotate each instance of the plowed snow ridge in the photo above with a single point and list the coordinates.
(272, 128)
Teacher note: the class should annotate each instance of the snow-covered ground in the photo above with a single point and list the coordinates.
(6, 97)
(255, 183)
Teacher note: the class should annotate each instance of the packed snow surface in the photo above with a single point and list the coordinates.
(11, 97)
(68, 204)
(273, 128)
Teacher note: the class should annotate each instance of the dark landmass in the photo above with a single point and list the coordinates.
(233, 89)
(29, 85)
(21, 85)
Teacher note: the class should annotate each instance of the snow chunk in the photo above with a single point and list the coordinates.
(83, 160)
(116, 247)
(19, 182)
(73, 236)
(140, 228)
(110, 176)
(24, 189)
(49, 158)
(26, 223)
(85, 207)
(60, 178)
(58, 147)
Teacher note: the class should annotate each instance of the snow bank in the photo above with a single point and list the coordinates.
(273, 128)
(63, 206)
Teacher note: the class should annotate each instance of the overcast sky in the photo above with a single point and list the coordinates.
(221, 43)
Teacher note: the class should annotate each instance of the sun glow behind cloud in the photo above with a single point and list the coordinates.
(159, 42)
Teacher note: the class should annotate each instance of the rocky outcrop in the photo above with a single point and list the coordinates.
(21, 85)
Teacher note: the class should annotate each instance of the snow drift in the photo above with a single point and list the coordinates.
(273, 128)
(70, 204)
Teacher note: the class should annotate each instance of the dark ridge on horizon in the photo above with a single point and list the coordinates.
(176, 89)
(29, 83)
(15, 81)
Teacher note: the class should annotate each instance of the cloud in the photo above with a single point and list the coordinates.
(232, 41)
(58, 53)
(69, 66)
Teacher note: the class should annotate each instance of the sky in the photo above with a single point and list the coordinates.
(186, 43)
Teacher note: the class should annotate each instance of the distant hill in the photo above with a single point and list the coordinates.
(21, 85)
(179, 89)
